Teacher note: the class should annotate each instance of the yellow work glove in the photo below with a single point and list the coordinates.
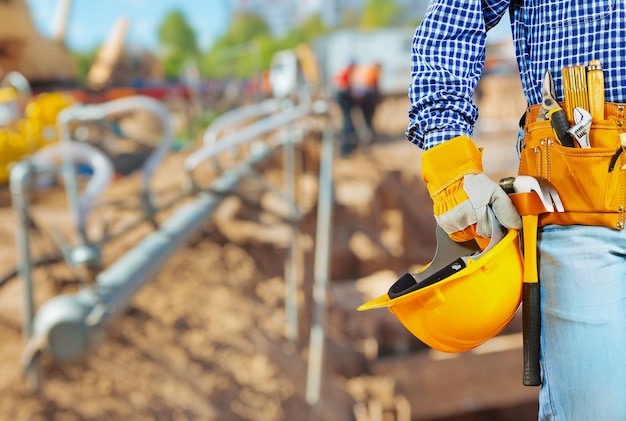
(461, 192)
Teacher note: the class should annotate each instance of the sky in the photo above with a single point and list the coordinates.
(91, 21)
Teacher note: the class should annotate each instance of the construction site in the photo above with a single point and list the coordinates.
(220, 280)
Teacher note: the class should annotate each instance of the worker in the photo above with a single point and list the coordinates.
(366, 94)
(582, 251)
(343, 95)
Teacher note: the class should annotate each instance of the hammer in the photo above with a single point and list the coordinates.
(531, 196)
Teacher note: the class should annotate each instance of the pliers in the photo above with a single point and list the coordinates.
(552, 111)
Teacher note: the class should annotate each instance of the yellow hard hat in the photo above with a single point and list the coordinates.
(462, 298)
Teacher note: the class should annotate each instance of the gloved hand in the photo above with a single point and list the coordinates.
(461, 192)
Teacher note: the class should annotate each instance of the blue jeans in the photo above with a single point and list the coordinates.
(583, 311)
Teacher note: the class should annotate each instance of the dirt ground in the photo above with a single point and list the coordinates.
(205, 340)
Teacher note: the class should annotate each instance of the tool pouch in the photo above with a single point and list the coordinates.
(589, 181)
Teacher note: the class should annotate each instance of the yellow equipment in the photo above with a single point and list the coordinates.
(462, 298)
(30, 129)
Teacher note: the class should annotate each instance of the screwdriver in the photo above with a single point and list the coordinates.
(595, 89)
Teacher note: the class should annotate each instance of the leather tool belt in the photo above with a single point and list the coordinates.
(590, 181)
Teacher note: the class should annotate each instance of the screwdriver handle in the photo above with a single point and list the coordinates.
(595, 89)
(560, 126)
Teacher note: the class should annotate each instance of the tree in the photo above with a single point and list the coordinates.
(84, 60)
(379, 14)
(238, 52)
(248, 46)
(179, 42)
(309, 29)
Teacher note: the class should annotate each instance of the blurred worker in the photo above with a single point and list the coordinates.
(366, 93)
(343, 95)
(582, 251)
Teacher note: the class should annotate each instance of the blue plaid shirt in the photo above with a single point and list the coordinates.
(449, 52)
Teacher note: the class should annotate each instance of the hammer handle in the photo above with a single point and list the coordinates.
(531, 321)
(531, 315)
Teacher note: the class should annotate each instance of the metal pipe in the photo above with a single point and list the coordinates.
(71, 326)
(95, 112)
(250, 132)
(321, 270)
(20, 177)
(108, 236)
(84, 153)
(236, 116)
(231, 117)
(291, 264)
(17, 81)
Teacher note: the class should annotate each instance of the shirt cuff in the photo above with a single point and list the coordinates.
(435, 137)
